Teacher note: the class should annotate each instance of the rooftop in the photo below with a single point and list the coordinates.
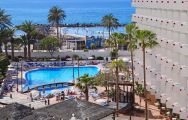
(63, 110)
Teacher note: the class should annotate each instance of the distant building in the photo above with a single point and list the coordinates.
(79, 42)
(97, 41)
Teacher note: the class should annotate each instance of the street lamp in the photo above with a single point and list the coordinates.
(17, 68)
(20, 59)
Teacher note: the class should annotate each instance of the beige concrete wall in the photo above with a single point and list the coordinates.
(81, 53)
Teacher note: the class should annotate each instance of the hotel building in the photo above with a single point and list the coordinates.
(167, 64)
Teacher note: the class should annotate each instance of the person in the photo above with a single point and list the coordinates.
(48, 101)
(45, 102)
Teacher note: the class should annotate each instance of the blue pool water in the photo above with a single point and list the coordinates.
(50, 75)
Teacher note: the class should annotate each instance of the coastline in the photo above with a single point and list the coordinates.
(75, 25)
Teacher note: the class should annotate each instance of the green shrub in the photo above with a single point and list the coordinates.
(100, 58)
(86, 50)
(4, 62)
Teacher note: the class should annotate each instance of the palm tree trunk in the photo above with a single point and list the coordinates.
(145, 91)
(72, 69)
(29, 51)
(57, 30)
(1, 48)
(12, 50)
(132, 68)
(86, 93)
(109, 32)
(117, 90)
(25, 52)
(6, 50)
(78, 69)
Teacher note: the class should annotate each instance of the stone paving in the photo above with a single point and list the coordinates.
(22, 99)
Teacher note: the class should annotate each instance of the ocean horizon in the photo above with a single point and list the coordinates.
(77, 11)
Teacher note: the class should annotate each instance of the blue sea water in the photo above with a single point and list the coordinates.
(77, 11)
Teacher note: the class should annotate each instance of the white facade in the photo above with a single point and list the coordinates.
(167, 64)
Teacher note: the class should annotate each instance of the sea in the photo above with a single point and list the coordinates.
(77, 11)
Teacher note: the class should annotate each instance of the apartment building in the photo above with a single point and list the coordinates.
(167, 64)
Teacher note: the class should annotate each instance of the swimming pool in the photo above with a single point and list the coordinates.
(54, 75)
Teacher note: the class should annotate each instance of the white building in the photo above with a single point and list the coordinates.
(167, 64)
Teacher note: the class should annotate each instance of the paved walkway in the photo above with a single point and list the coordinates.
(22, 99)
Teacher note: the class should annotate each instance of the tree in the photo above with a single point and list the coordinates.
(130, 30)
(5, 22)
(50, 44)
(100, 80)
(4, 39)
(5, 19)
(4, 62)
(110, 22)
(6, 36)
(24, 42)
(12, 42)
(109, 43)
(139, 91)
(93, 46)
(76, 57)
(146, 39)
(114, 53)
(84, 82)
(31, 34)
(116, 66)
(118, 39)
(9, 37)
(55, 17)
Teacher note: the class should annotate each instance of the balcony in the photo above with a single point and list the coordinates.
(163, 61)
(163, 42)
(183, 114)
(161, 4)
(158, 58)
(152, 89)
(163, 98)
(176, 107)
(176, 46)
(184, 49)
(168, 102)
(184, 71)
(169, 44)
(169, 63)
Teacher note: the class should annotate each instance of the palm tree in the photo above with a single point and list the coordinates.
(115, 40)
(83, 84)
(100, 80)
(55, 17)
(12, 40)
(110, 22)
(130, 30)
(6, 36)
(114, 54)
(118, 39)
(4, 41)
(5, 20)
(139, 91)
(30, 31)
(24, 42)
(146, 39)
(122, 41)
(76, 57)
(116, 66)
